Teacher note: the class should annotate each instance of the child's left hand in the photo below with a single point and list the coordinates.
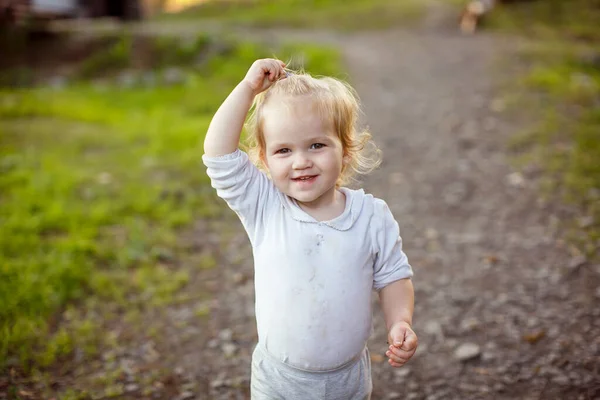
(403, 344)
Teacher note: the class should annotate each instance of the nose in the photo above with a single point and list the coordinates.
(301, 161)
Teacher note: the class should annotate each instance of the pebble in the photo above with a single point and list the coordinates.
(187, 395)
(403, 372)
(561, 379)
(225, 335)
(515, 179)
(586, 222)
(132, 387)
(433, 328)
(239, 278)
(393, 395)
(469, 324)
(467, 351)
(229, 349)
(499, 387)
(577, 262)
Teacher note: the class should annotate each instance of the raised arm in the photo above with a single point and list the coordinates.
(224, 131)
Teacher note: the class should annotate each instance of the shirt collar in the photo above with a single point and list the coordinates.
(343, 222)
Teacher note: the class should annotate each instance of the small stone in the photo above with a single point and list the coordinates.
(132, 387)
(577, 262)
(403, 372)
(469, 324)
(393, 395)
(535, 336)
(217, 383)
(239, 278)
(561, 379)
(433, 328)
(213, 343)
(467, 351)
(226, 335)
(515, 179)
(179, 371)
(431, 234)
(229, 349)
(586, 222)
(187, 395)
(498, 105)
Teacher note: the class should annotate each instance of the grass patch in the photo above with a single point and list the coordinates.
(96, 183)
(328, 14)
(549, 19)
(561, 86)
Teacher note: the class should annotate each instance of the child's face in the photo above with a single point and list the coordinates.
(302, 152)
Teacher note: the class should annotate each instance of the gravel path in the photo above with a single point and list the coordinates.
(504, 308)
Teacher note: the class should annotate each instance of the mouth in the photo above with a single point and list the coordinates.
(305, 179)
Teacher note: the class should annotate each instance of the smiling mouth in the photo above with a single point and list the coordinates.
(305, 178)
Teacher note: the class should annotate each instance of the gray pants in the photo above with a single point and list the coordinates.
(274, 380)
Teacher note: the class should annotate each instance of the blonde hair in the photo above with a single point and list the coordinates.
(337, 102)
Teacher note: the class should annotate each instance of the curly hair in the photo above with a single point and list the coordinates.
(337, 102)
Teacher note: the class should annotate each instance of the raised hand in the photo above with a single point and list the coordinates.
(263, 73)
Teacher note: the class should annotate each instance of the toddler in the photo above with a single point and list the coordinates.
(319, 248)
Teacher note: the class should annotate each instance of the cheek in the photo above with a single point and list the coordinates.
(277, 168)
(332, 162)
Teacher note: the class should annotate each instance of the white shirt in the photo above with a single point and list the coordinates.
(313, 280)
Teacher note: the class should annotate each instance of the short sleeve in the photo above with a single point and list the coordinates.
(391, 264)
(246, 189)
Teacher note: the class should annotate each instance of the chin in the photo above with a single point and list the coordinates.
(305, 198)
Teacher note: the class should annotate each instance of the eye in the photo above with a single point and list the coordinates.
(283, 151)
(317, 146)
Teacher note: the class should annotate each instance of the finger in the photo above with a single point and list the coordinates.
(395, 358)
(280, 69)
(268, 70)
(395, 364)
(401, 353)
(277, 70)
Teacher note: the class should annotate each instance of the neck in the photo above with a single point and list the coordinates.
(329, 206)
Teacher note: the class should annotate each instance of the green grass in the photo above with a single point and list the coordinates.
(549, 19)
(97, 181)
(327, 14)
(561, 87)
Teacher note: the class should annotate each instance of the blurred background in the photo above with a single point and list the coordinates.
(123, 276)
